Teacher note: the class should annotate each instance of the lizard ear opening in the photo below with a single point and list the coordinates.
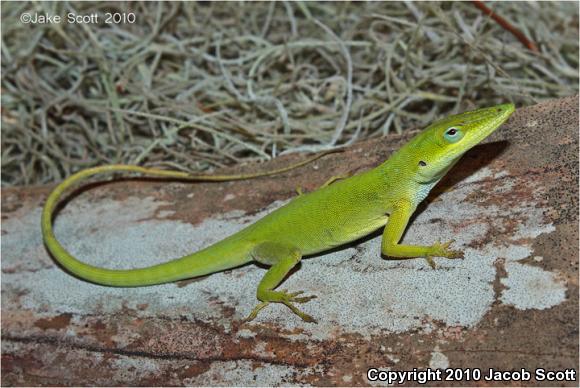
(422, 163)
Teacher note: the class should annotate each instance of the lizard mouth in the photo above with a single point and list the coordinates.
(487, 121)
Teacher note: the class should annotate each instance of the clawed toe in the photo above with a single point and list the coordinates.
(431, 262)
(291, 297)
(255, 312)
(303, 299)
(305, 317)
(456, 255)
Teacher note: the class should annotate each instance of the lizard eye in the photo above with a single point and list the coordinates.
(453, 134)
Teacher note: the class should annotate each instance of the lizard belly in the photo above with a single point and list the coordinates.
(335, 235)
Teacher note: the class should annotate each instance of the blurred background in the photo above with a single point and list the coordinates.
(198, 86)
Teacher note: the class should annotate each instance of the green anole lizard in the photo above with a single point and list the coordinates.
(331, 216)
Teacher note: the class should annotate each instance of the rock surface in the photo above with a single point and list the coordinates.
(511, 204)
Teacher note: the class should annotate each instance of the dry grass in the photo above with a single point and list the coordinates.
(193, 86)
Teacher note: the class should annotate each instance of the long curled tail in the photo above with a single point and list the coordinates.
(225, 254)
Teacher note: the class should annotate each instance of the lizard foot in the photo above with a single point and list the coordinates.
(287, 299)
(440, 249)
(290, 298)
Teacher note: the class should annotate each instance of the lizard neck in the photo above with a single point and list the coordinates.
(400, 178)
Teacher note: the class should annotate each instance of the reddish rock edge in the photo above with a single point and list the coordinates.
(541, 146)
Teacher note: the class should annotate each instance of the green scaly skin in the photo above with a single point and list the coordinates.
(333, 215)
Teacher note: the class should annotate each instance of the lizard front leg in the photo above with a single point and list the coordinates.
(394, 230)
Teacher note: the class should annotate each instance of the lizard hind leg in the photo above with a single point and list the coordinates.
(282, 258)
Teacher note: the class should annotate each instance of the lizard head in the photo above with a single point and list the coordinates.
(437, 148)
